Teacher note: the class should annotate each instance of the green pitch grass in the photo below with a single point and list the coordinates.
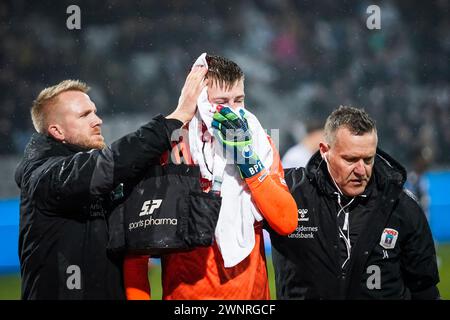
(443, 252)
(10, 284)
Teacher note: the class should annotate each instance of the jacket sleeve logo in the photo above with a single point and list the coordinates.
(388, 238)
(302, 215)
(149, 206)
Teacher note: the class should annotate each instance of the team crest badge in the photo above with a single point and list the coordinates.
(388, 238)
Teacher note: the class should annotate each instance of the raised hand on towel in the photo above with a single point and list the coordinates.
(235, 135)
(187, 103)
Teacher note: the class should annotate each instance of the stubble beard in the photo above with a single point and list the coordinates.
(90, 143)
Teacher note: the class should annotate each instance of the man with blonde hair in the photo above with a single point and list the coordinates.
(69, 178)
(51, 117)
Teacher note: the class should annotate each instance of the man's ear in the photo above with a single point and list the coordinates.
(323, 148)
(56, 132)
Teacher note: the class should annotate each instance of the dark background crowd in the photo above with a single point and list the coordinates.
(301, 59)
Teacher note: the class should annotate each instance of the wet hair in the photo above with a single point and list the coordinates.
(357, 121)
(223, 72)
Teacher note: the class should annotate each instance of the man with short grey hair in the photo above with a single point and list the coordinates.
(360, 235)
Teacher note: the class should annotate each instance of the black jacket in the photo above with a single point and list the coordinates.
(66, 200)
(392, 256)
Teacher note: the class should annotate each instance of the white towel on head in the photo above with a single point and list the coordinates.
(235, 234)
(205, 157)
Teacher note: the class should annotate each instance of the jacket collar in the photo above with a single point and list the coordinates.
(43, 146)
(386, 171)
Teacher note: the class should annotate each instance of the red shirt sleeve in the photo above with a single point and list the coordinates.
(136, 282)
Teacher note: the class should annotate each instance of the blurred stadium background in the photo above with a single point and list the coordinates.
(301, 59)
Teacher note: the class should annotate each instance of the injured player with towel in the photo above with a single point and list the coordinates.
(251, 183)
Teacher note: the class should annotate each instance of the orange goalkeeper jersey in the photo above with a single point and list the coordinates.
(200, 273)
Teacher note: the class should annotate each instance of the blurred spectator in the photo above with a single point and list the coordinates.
(416, 182)
(294, 51)
(298, 155)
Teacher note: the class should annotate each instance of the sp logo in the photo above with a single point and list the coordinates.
(149, 206)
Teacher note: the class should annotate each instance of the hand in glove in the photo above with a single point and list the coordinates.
(235, 136)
